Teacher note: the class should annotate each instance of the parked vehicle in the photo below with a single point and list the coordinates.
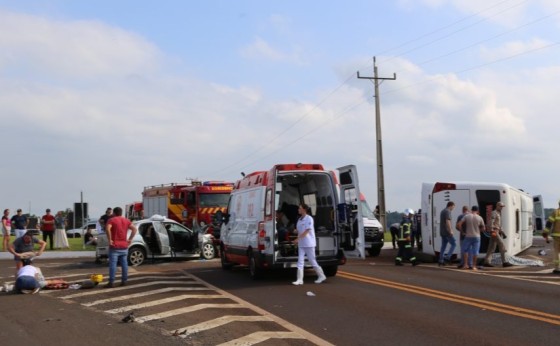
(517, 215)
(373, 231)
(79, 232)
(191, 204)
(161, 237)
(134, 211)
(249, 235)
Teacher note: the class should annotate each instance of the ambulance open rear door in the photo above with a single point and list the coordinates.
(350, 213)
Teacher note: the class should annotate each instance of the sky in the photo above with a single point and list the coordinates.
(99, 99)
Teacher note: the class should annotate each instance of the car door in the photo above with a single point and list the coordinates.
(350, 194)
(180, 237)
(162, 238)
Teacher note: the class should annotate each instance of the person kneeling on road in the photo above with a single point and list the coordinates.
(22, 248)
(29, 278)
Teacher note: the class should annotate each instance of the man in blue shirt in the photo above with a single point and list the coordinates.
(19, 223)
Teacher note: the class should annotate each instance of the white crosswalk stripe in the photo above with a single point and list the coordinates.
(176, 302)
(259, 337)
(163, 301)
(187, 309)
(128, 287)
(144, 294)
(220, 321)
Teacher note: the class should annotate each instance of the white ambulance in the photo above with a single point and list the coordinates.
(517, 215)
(249, 235)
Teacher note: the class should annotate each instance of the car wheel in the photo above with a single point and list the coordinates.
(136, 256)
(330, 270)
(226, 265)
(208, 251)
(374, 251)
(254, 270)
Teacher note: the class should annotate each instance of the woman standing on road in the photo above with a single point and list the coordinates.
(306, 245)
(6, 229)
(60, 238)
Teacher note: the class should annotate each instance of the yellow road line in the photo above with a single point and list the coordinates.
(481, 303)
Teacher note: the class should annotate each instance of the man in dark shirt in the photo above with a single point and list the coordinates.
(89, 238)
(105, 217)
(19, 223)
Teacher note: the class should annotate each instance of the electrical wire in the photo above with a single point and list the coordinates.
(306, 114)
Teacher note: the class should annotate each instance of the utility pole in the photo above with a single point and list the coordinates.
(378, 146)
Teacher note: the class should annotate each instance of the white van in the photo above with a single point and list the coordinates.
(517, 215)
(373, 231)
(249, 235)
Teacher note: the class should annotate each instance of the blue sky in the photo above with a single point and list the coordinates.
(107, 97)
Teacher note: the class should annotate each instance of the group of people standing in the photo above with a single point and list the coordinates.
(52, 227)
(470, 226)
(29, 277)
(23, 247)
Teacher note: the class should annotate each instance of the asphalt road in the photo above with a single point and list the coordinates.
(369, 302)
(374, 302)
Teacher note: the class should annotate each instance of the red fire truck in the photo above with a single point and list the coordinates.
(134, 211)
(192, 204)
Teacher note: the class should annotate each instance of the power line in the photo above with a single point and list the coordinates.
(453, 32)
(253, 153)
(474, 67)
(305, 115)
(540, 19)
(442, 28)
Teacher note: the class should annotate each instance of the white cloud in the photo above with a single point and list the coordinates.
(512, 48)
(61, 49)
(260, 49)
(107, 119)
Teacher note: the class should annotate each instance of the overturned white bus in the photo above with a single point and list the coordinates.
(517, 215)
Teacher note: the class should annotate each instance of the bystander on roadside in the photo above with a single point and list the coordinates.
(496, 237)
(60, 237)
(19, 223)
(473, 224)
(6, 229)
(47, 227)
(117, 228)
(446, 233)
(462, 232)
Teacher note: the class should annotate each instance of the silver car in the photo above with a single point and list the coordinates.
(160, 237)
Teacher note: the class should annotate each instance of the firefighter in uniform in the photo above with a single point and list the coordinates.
(553, 224)
(404, 239)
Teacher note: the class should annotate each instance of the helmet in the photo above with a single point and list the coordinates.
(408, 211)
